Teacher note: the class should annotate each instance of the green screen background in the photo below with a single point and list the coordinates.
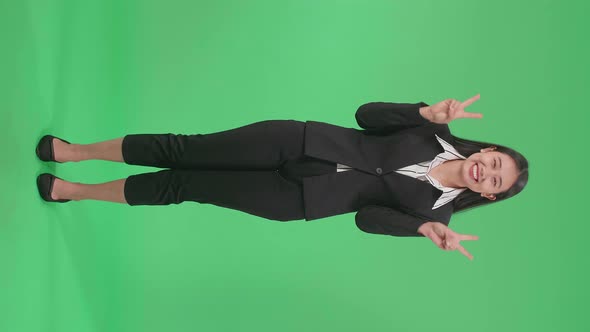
(89, 71)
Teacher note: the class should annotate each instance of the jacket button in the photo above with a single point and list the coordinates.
(379, 170)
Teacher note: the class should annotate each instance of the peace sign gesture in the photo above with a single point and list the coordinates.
(445, 238)
(451, 109)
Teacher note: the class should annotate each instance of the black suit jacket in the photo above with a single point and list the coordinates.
(394, 135)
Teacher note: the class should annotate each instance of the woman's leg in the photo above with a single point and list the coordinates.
(106, 150)
(263, 145)
(112, 191)
(262, 193)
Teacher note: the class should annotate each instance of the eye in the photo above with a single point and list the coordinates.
(495, 181)
(494, 163)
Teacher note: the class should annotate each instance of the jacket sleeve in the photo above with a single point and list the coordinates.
(388, 221)
(383, 117)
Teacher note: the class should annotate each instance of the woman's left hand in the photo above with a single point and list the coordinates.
(448, 110)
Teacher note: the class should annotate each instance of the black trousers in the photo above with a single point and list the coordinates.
(256, 168)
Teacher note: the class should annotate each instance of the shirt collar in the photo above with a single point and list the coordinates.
(449, 153)
(449, 148)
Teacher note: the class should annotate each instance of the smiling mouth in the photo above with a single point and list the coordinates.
(473, 172)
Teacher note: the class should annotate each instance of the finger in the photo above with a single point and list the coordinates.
(455, 105)
(437, 240)
(465, 252)
(450, 239)
(446, 103)
(463, 114)
(468, 237)
(470, 101)
(448, 245)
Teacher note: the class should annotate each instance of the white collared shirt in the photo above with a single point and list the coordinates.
(420, 171)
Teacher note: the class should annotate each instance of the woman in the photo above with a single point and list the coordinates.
(404, 173)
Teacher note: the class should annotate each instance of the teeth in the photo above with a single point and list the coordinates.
(475, 172)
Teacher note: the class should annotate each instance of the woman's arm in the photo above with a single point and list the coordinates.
(383, 118)
(388, 221)
(388, 117)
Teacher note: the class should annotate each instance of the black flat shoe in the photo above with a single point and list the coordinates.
(45, 185)
(44, 148)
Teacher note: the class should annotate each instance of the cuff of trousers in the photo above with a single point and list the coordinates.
(145, 189)
(134, 147)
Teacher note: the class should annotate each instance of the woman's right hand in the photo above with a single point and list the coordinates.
(445, 238)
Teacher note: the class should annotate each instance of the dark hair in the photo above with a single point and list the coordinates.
(470, 199)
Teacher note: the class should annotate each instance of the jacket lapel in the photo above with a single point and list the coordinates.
(412, 194)
(413, 146)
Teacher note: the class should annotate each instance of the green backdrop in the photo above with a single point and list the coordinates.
(90, 71)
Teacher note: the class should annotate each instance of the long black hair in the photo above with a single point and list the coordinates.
(470, 199)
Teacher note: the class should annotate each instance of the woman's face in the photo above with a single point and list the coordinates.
(489, 172)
